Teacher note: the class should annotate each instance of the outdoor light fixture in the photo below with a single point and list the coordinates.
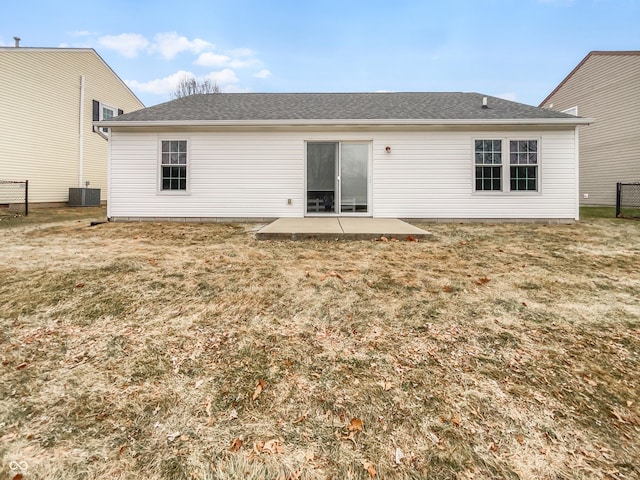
(388, 149)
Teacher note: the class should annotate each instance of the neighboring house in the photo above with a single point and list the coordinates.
(605, 86)
(407, 155)
(49, 98)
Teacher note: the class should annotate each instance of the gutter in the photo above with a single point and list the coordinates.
(338, 122)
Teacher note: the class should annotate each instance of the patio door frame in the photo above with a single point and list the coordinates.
(336, 212)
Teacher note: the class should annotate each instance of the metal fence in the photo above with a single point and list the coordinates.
(14, 197)
(628, 200)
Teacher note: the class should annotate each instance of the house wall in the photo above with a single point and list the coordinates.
(427, 174)
(605, 87)
(39, 118)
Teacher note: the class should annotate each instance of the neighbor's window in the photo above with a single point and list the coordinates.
(488, 165)
(523, 161)
(106, 113)
(174, 165)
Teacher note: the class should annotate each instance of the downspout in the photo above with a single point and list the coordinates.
(577, 167)
(80, 135)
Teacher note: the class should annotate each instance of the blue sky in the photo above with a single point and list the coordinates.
(516, 49)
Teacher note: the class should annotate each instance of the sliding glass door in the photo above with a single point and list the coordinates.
(337, 177)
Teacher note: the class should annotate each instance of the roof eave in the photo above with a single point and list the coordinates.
(337, 122)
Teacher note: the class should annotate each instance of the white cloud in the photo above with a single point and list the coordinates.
(209, 59)
(169, 44)
(508, 96)
(127, 44)
(264, 73)
(250, 62)
(160, 86)
(242, 52)
(224, 78)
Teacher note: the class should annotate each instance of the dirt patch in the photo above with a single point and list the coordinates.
(195, 351)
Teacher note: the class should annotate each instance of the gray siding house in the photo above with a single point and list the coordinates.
(436, 156)
(605, 86)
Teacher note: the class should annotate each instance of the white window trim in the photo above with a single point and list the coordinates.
(101, 114)
(506, 166)
(160, 191)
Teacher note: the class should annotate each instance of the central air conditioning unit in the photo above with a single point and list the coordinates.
(84, 197)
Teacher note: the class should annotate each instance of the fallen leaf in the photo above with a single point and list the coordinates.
(236, 444)
(273, 447)
(259, 388)
(121, 449)
(399, 456)
(520, 439)
(80, 285)
(257, 447)
(433, 437)
(355, 425)
(384, 239)
(411, 238)
(233, 414)
(336, 274)
(447, 289)
(493, 447)
(456, 421)
(386, 385)
(21, 366)
(483, 280)
(17, 476)
(369, 468)
(300, 419)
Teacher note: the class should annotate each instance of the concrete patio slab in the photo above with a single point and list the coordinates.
(340, 228)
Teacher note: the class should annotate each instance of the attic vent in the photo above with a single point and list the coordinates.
(484, 102)
(17, 40)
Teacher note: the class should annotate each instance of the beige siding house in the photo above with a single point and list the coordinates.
(49, 99)
(604, 86)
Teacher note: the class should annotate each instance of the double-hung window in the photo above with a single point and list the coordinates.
(488, 165)
(173, 165)
(106, 113)
(492, 171)
(523, 160)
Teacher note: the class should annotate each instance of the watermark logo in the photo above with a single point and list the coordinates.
(17, 466)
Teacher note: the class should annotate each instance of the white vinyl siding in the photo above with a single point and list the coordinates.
(253, 174)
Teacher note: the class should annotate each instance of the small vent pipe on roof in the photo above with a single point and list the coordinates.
(17, 40)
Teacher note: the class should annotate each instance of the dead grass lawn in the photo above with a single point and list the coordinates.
(196, 352)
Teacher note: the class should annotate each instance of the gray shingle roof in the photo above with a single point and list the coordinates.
(337, 106)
